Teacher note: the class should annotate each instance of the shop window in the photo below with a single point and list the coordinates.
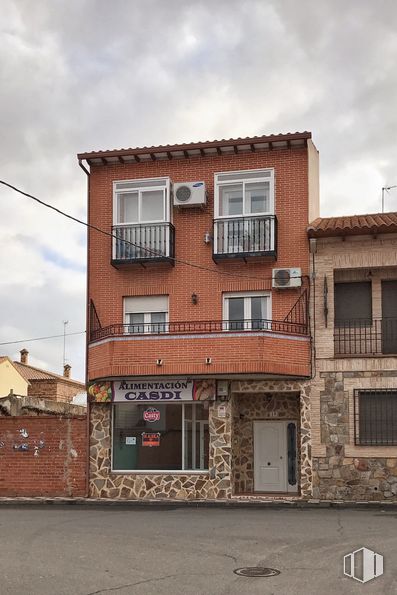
(249, 311)
(146, 314)
(375, 422)
(161, 437)
(353, 303)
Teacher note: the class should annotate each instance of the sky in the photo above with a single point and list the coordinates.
(77, 75)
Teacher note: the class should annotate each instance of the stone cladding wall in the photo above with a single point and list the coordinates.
(285, 392)
(216, 483)
(338, 475)
(248, 409)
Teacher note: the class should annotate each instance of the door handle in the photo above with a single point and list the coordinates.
(269, 463)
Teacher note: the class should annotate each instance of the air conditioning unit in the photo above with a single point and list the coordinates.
(190, 194)
(286, 278)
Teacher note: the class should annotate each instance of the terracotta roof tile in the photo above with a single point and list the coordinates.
(201, 146)
(353, 225)
(32, 373)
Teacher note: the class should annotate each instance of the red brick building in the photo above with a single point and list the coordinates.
(199, 343)
(48, 385)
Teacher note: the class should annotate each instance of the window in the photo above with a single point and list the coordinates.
(375, 422)
(163, 437)
(146, 314)
(244, 194)
(353, 303)
(141, 201)
(246, 311)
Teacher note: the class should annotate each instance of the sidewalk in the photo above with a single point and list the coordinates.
(229, 503)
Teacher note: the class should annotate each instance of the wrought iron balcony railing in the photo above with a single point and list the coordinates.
(199, 327)
(245, 236)
(365, 337)
(142, 243)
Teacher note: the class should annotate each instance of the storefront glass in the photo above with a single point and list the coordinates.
(161, 437)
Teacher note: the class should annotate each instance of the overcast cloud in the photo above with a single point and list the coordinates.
(78, 75)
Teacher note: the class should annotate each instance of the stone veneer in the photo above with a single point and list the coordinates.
(284, 389)
(219, 481)
(216, 483)
(246, 410)
(338, 476)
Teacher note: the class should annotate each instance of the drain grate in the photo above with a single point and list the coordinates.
(258, 571)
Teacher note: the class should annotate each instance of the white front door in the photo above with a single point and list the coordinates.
(270, 456)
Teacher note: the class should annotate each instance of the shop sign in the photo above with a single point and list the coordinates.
(151, 414)
(156, 389)
(165, 390)
(151, 439)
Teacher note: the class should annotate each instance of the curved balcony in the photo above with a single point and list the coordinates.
(206, 348)
(200, 327)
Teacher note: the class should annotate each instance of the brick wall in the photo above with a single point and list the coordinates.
(53, 462)
(108, 286)
(53, 389)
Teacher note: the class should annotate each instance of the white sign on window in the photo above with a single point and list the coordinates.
(130, 440)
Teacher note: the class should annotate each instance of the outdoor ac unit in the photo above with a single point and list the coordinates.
(190, 194)
(285, 278)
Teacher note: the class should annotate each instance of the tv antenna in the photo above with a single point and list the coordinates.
(65, 322)
(386, 188)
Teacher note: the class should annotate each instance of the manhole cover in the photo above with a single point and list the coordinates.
(256, 571)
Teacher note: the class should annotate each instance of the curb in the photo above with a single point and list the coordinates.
(225, 504)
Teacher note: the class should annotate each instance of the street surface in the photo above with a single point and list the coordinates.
(120, 550)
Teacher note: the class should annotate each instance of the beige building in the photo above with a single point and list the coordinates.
(354, 390)
(11, 380)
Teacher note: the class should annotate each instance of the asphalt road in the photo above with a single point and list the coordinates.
(92, 550)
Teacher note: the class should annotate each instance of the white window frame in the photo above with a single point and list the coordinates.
(147, 324)
(165, 188)
(247, 307)
(218, 184)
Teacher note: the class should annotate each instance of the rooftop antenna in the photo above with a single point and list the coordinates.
(387, 188)
(65, 322)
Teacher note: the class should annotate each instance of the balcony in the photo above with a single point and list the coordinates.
(365, 338)
(135, 244)
(200, 348)
(206, 326)
(243, 237)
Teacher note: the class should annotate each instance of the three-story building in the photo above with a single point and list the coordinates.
(199, 346)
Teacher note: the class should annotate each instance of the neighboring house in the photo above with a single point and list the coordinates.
(199, 373)
(11, 380)
(354, 393)
(48, 385)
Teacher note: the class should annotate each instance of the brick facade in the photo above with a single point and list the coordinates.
(54, 389)
(280, 353)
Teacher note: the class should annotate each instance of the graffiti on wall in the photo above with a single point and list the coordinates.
(20, 442)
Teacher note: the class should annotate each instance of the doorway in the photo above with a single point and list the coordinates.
(275, 456)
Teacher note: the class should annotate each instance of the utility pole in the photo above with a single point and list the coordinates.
(387, 188)
(65, 322)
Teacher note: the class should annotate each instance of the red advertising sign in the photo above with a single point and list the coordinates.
(151, 439)
(151, 414)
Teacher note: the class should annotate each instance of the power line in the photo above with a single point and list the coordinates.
(42, 338)
(148, 250)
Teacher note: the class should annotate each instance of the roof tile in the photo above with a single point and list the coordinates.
(353, 225)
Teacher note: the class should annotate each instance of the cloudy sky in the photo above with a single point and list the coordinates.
(77, 75)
